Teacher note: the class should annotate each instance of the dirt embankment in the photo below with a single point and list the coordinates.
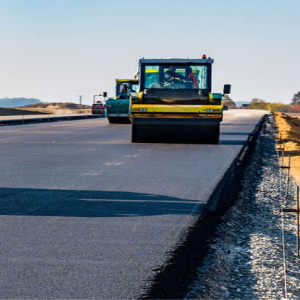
(289, 139)
(58, 105)
(47, 108)
(59, 111)
(67, 108)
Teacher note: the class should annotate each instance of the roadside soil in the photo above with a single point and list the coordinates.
(60, 111)
(40, 111)
(288, 136)
(294, 115)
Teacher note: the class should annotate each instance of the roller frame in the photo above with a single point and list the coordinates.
(177, 130)
(119, 120)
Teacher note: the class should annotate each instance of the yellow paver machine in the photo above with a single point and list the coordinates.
(175, 103)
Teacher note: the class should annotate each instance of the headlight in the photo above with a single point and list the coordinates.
(143, 109)
(212, 110)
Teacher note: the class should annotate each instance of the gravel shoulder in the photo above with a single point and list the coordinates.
(246, 257)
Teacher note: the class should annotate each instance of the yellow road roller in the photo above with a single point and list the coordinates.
(175, 103)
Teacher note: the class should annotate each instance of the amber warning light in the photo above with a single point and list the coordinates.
(203, 56)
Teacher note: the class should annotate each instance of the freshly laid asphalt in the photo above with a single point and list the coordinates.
(86, 214)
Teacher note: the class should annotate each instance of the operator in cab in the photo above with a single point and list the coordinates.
(171, 75)
(186, 80)
(191, 79)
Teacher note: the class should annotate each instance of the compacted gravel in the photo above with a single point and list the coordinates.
(245, 260)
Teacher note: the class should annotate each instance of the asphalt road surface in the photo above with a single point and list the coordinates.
(86, 214)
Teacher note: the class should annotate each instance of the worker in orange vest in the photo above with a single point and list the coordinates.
(191, 78)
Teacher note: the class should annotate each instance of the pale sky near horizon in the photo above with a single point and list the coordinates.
(56, 50)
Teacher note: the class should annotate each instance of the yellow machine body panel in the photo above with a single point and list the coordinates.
(177, 111)
(128, 80)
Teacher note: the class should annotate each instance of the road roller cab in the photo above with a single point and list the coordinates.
(175, 102)
(118, 107)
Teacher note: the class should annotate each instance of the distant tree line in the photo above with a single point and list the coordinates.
(261, 104)
(228, 102)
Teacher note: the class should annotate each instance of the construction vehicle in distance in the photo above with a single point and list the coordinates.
(98, 108)
(118, 108)
(175, 103)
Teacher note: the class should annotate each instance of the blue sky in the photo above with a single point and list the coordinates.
(55, 50)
